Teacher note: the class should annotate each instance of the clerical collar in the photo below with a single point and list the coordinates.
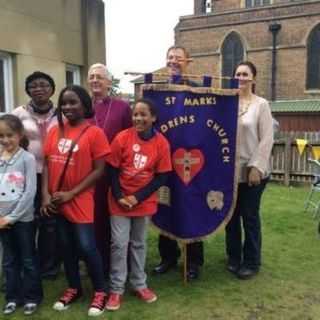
(102, 100)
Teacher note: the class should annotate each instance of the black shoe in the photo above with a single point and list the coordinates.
(164, 266)
(233, 267)
(245, 273)
(192, 273)
(49, 277)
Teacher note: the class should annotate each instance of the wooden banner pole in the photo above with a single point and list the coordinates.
(185, 253)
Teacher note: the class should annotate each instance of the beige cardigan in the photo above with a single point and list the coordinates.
(255, 138)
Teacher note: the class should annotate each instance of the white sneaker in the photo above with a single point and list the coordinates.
(60, 306)
(97, 305)
(68, 297)
(29, 308)
(9, 308)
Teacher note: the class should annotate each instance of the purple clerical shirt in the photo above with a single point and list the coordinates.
(112, 115)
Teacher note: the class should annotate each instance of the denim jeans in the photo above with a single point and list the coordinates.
(23, 283)
(47, 243)
(78, 240)
(247, 208)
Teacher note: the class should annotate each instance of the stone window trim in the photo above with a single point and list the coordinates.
(6, 83)
(73, 74)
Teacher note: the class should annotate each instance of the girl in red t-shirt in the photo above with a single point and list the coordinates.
(75, 154)
(140, 160)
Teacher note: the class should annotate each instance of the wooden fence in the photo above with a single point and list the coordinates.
(288, 166)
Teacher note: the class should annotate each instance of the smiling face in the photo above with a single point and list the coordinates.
(142, 117)
(9, 139)
(245, 76)
(99, 84)
(72, 107)
(177, 61)
(40, 91)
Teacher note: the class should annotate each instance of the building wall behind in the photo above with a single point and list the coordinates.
(48, 34)
(203, 36)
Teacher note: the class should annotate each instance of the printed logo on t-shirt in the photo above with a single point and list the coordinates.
(11, 187)
(136, 147)
(139, 161)
(64, 146)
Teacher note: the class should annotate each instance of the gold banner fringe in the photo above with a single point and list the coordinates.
(183, 87)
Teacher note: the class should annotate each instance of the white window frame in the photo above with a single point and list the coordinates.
(76, 73)
(256, 6)
(8, 81)
(208, 6)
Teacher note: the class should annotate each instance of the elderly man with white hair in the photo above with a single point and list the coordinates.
(112, 115)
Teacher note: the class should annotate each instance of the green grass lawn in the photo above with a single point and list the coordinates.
(288, 286)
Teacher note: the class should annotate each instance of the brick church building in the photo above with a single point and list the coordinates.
(282, 37)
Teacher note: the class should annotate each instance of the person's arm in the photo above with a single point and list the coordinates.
(115, 183)
(46, 206)
(162, 171)
(65, 196)
(158, 181)
(29, 192)
(259, 162)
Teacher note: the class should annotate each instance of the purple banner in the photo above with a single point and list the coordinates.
(201, 126)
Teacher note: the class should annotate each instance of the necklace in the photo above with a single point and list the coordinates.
(244, 106)
(106, 116)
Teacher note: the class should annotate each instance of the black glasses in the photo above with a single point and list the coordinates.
(45, 86)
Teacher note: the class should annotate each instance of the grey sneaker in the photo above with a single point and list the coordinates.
(9, 308)
(29, 308)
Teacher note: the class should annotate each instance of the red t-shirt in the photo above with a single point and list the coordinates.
(138, 161)
(92, 145)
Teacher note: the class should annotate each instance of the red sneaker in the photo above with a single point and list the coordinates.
(113, 302)
(147, 295)
(98, 304)
(68, 297)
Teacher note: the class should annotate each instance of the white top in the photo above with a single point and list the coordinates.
(255, 137)
(36, 127)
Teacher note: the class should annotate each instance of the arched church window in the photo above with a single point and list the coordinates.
(313, 56)
(232, 53)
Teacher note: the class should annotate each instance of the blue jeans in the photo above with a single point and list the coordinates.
(47, 247)
(23, 284)
(247, 208)
(78, 240)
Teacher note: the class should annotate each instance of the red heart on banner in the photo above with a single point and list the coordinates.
(187, 164)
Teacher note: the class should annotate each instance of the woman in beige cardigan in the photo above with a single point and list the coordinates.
(256, 140)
